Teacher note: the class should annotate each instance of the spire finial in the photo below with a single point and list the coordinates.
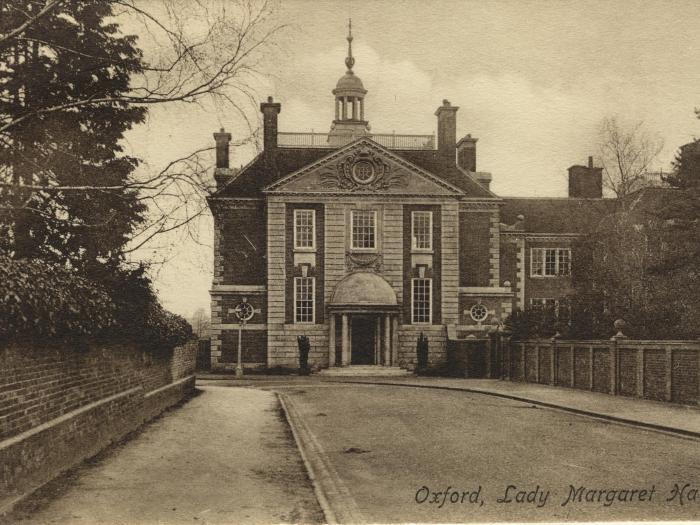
(349, 60)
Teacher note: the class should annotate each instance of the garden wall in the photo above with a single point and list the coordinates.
(60, 404)
(659, 370)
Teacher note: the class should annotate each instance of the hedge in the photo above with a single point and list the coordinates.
(44, 300)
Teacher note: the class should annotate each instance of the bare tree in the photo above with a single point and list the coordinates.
(626, 153)
(201, 323)
(196, 51)
(203, 51)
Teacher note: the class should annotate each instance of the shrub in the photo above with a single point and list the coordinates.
(139, 315)
(422, 349)
(532, 322)
(46, 301)
(304, 348)
(39, 299)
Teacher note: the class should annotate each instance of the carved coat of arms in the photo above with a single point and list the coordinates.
(362, 170)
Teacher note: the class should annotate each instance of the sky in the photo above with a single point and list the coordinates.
(532, 79)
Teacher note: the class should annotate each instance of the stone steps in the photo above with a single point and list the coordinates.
(365, 371)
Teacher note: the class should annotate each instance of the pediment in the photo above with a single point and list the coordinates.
(364, 167)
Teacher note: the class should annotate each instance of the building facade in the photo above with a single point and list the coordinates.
(363, 241)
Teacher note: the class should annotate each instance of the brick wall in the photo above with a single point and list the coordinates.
(229, 301)
(240, 245)
(474, 241)
(62, 404)
(253, 351)
(582, 369)
(659, 370)
(434, 272)
(293, 270)
(509, 261)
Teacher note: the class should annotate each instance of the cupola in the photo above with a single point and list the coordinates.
(349, 94)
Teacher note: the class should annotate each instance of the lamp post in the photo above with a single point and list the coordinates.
(244, 311)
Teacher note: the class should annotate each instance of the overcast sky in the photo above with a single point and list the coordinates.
(532, 80)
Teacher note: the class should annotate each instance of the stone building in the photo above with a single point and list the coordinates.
(362, 241)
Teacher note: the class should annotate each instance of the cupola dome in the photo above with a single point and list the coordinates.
(349, 122)
(350, 82)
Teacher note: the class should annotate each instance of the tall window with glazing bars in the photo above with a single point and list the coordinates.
(421, 299)
(304, 229)
(304, 299)
(364, 230)
(550, 262)
(422, 230)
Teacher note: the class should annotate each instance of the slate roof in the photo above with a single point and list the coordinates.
(433, 162)
(556, 215)
(268, 168)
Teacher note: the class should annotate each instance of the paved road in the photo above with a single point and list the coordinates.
(226, 456)
(397, 450)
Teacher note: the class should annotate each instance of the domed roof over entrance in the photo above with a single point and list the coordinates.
(363, 289)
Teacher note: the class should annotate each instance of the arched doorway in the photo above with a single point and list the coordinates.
(363, 328)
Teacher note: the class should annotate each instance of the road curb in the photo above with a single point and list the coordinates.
(678, 432)
(333, 496)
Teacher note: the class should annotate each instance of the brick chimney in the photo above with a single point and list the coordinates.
(466, 153)
(447, 130)
(222, 173)
(270, 110)
(223, 140)
(586, 181)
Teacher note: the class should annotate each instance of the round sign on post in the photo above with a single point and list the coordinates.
(244, 311)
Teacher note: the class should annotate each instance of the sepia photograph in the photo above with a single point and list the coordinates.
(349, 261)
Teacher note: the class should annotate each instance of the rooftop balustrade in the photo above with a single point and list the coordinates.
(323, 140)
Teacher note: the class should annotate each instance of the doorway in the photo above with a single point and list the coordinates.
(364, 328)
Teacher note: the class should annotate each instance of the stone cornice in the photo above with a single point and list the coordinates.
(227, 203)
(480, 204)
(238, 288)
(541, 236)
(225, 199)
(483, 291)
(355, 194)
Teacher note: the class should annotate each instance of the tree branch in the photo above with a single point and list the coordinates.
(50, 5)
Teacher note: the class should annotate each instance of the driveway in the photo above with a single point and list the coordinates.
(226, 456)
(420, 455)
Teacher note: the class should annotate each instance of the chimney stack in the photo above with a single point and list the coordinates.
(586, 182)
(466, 153)
(222, 173)
(447, 130)
(270, 110)
(223, 140)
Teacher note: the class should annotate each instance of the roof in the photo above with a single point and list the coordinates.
(350, 81)
(363, 289)
(556, 215)
(270, 167)
(651, 198)
(266, 169)
(435, 163)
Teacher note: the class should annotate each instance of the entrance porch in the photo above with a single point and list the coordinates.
(363, 338)
(363, 322)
